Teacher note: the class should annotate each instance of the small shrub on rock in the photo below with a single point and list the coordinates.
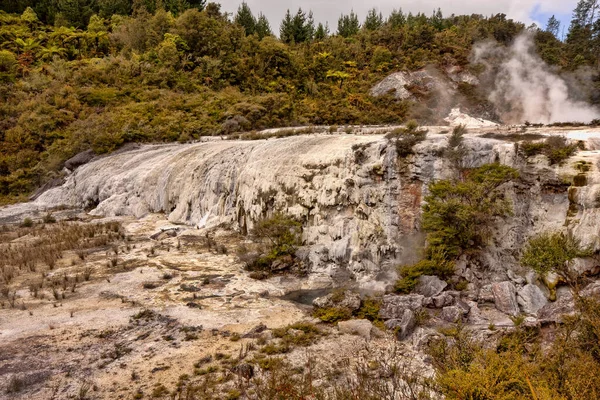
(457, 217)
(333, 314)
(551, 252)
(406, 138)
(277, 239)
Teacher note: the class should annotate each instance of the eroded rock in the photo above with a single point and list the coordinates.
(393, 306)
(430, 286)
(342, 299)
(403, 326)
(360, 327)
(505, 297)
(531, 299)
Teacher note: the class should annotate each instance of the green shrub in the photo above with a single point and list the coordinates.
(309, 334)
(27, 223)
(437, 265)
(278, 238)
(332, 314)
(557, 149)
(406, 138)
(369, 309)
(8, 66)
(457, 217)
(532, 148)
(551, 252)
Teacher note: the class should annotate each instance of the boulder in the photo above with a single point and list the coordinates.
(403, 326)
(453, 313)
(505, 297)
(531, 299)
(553, 312)
(360, 327)
(345, 299)
(486, 295)
(584, 267)
(79, 159)
(430, 286)
(393, 83)
(443, 300)
(393, 306)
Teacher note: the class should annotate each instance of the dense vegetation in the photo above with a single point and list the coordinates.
(81, 74)
(458, 216)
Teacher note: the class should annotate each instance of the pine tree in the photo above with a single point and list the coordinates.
(198, 4)
(246, 19)
(286, 29)
(553, 26)
(396, 18)
(348, 25)
(437, 20)
(297, 29)
(263, 28)
(373, 21)
(321, 32)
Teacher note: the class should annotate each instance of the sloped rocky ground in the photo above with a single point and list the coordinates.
(360, 205)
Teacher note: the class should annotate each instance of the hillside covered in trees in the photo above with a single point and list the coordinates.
(96, 74)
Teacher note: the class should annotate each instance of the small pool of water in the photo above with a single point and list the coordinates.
(306, 296)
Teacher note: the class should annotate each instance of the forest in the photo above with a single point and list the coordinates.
(97, 74)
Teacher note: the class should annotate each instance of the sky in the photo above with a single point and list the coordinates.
(527, 11)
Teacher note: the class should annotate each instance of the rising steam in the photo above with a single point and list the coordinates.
(524, 87)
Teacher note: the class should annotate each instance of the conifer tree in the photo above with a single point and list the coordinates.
(246, 19)
(396, 18)
(263, 28)
(373, 21)
(321, 32)
(348, 25)
(553, 26)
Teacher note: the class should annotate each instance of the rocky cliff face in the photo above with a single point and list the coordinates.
(359, 202)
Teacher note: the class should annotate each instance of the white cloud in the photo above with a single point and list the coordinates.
(330, 10)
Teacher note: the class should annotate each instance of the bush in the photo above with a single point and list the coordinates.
(557, 149)
(532, 148)
(8, 66)
(27, 223)
(436, 264)
(278, 238)
(551, 252)
(333, 314)
(457, 217)
(406, 138)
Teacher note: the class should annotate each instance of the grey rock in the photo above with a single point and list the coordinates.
(393, 83)
(79, 159)
(403, 326)
(505, 297)
(519, 280)
(475, 316)
(360, 327)
(347, 299)
(553, 312)
(593, 289)
(443, 300)
(584, 267)
(531, 299)
(430, 286)
(486, 295)
(453, 313)
(393, 306)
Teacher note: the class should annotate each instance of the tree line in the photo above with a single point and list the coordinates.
(95, 74)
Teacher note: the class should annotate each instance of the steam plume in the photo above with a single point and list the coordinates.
(524, 87)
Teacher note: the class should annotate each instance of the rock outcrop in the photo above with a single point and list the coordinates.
(360, 205)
